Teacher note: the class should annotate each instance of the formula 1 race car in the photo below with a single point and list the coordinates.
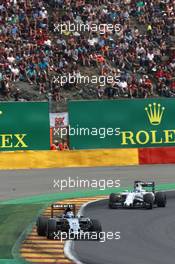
(67, 225)
(139, 197)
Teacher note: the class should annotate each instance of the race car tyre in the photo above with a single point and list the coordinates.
(148, 200)
(112, 200)
(96, 227)
(41, 225)
(160, 198)
(51, 229)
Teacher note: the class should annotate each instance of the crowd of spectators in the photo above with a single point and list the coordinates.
(43, 39)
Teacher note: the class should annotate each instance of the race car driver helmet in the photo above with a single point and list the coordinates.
(69, 215)
(138, 187)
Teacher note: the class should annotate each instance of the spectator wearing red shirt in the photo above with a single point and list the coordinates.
(54, 146)
(160, 74)
(61, 145)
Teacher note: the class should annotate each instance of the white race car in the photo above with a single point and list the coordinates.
(139, 197)
(67, 225)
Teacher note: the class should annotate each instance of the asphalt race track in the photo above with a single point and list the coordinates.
(147, 236)
(20, 183)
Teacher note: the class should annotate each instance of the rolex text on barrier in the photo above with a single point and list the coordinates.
(24, 126)
(122, 123)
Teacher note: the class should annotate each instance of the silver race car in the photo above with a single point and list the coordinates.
(67, 225)
(139, 197)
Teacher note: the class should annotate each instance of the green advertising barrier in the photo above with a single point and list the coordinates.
(24, 126)
(122, 123)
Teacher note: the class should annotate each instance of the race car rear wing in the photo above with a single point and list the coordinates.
(150, 184)
(63, 208)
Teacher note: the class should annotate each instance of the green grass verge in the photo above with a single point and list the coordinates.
(13, 220)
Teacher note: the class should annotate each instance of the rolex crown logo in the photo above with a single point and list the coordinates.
(155, 113)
